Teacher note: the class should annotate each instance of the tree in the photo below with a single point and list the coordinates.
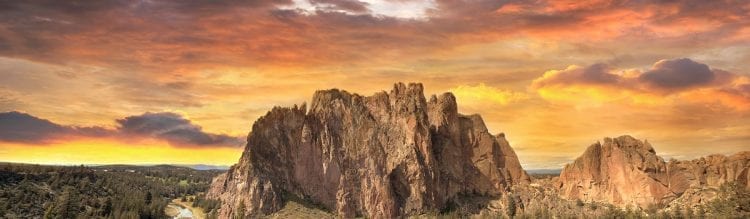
(3, 209)
(701, 213)
(664, 215)
(733, 201)
(689, 212)
(66, 206)
(511, 210)
(677, 211)
(148, 197)
(652, 209)
(579, 203)
(107, 207)
(631, 213)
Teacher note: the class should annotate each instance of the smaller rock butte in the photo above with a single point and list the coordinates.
(387, 155)
(625, 171)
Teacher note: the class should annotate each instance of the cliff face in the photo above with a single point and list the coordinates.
(689, 179)
(625, 171)
(385, 155)
(620, 171)
(712, 170)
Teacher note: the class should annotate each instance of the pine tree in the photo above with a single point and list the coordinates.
(148, 197)
(107, 207)
(66, 206)
(3, 209)
(511, 211)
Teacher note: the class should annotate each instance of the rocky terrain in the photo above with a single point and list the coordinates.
(626, 172)
(381, 156)
(396, 154)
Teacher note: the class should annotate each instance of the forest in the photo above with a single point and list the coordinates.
(115, 191)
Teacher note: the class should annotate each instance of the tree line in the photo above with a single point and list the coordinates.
(38, 191)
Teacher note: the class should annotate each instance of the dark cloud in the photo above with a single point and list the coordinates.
(466, 8)
(598, 73)
(346, 5)
(173, 128)
(22, 127)
(178, 131)
(160, 34)
(677, 74)
(665, 77)
(216, 6)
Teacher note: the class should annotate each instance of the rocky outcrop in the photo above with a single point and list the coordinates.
(695, 181)
(713, 170)
(620, 171)
(390, 154)
(625, 171)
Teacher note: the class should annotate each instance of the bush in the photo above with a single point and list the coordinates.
(579, 203)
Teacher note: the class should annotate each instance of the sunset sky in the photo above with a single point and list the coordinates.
(156, 81)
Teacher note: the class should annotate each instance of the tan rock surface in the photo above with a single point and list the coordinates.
(382, 156)
(625, 171)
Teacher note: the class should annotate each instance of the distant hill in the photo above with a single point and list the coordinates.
(544, 171)
(205, 166)
(138, 166)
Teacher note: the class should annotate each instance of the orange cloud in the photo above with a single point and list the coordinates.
(665, 83)
(735, 97)
(227, 62)
(165, 36)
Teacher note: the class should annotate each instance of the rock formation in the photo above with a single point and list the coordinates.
(625, 171)
(382, 156)
(690, 179)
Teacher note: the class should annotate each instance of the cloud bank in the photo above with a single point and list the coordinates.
(670, 79)
(157, 35)
(170, 127)
(225, 62)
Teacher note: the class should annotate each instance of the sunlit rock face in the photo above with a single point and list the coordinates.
(690, 179)
(386, 155)
(625, 171)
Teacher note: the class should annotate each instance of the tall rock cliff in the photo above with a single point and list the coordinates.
(625, 171)
(390, 154)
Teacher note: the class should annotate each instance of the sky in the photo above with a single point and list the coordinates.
(157, 81)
